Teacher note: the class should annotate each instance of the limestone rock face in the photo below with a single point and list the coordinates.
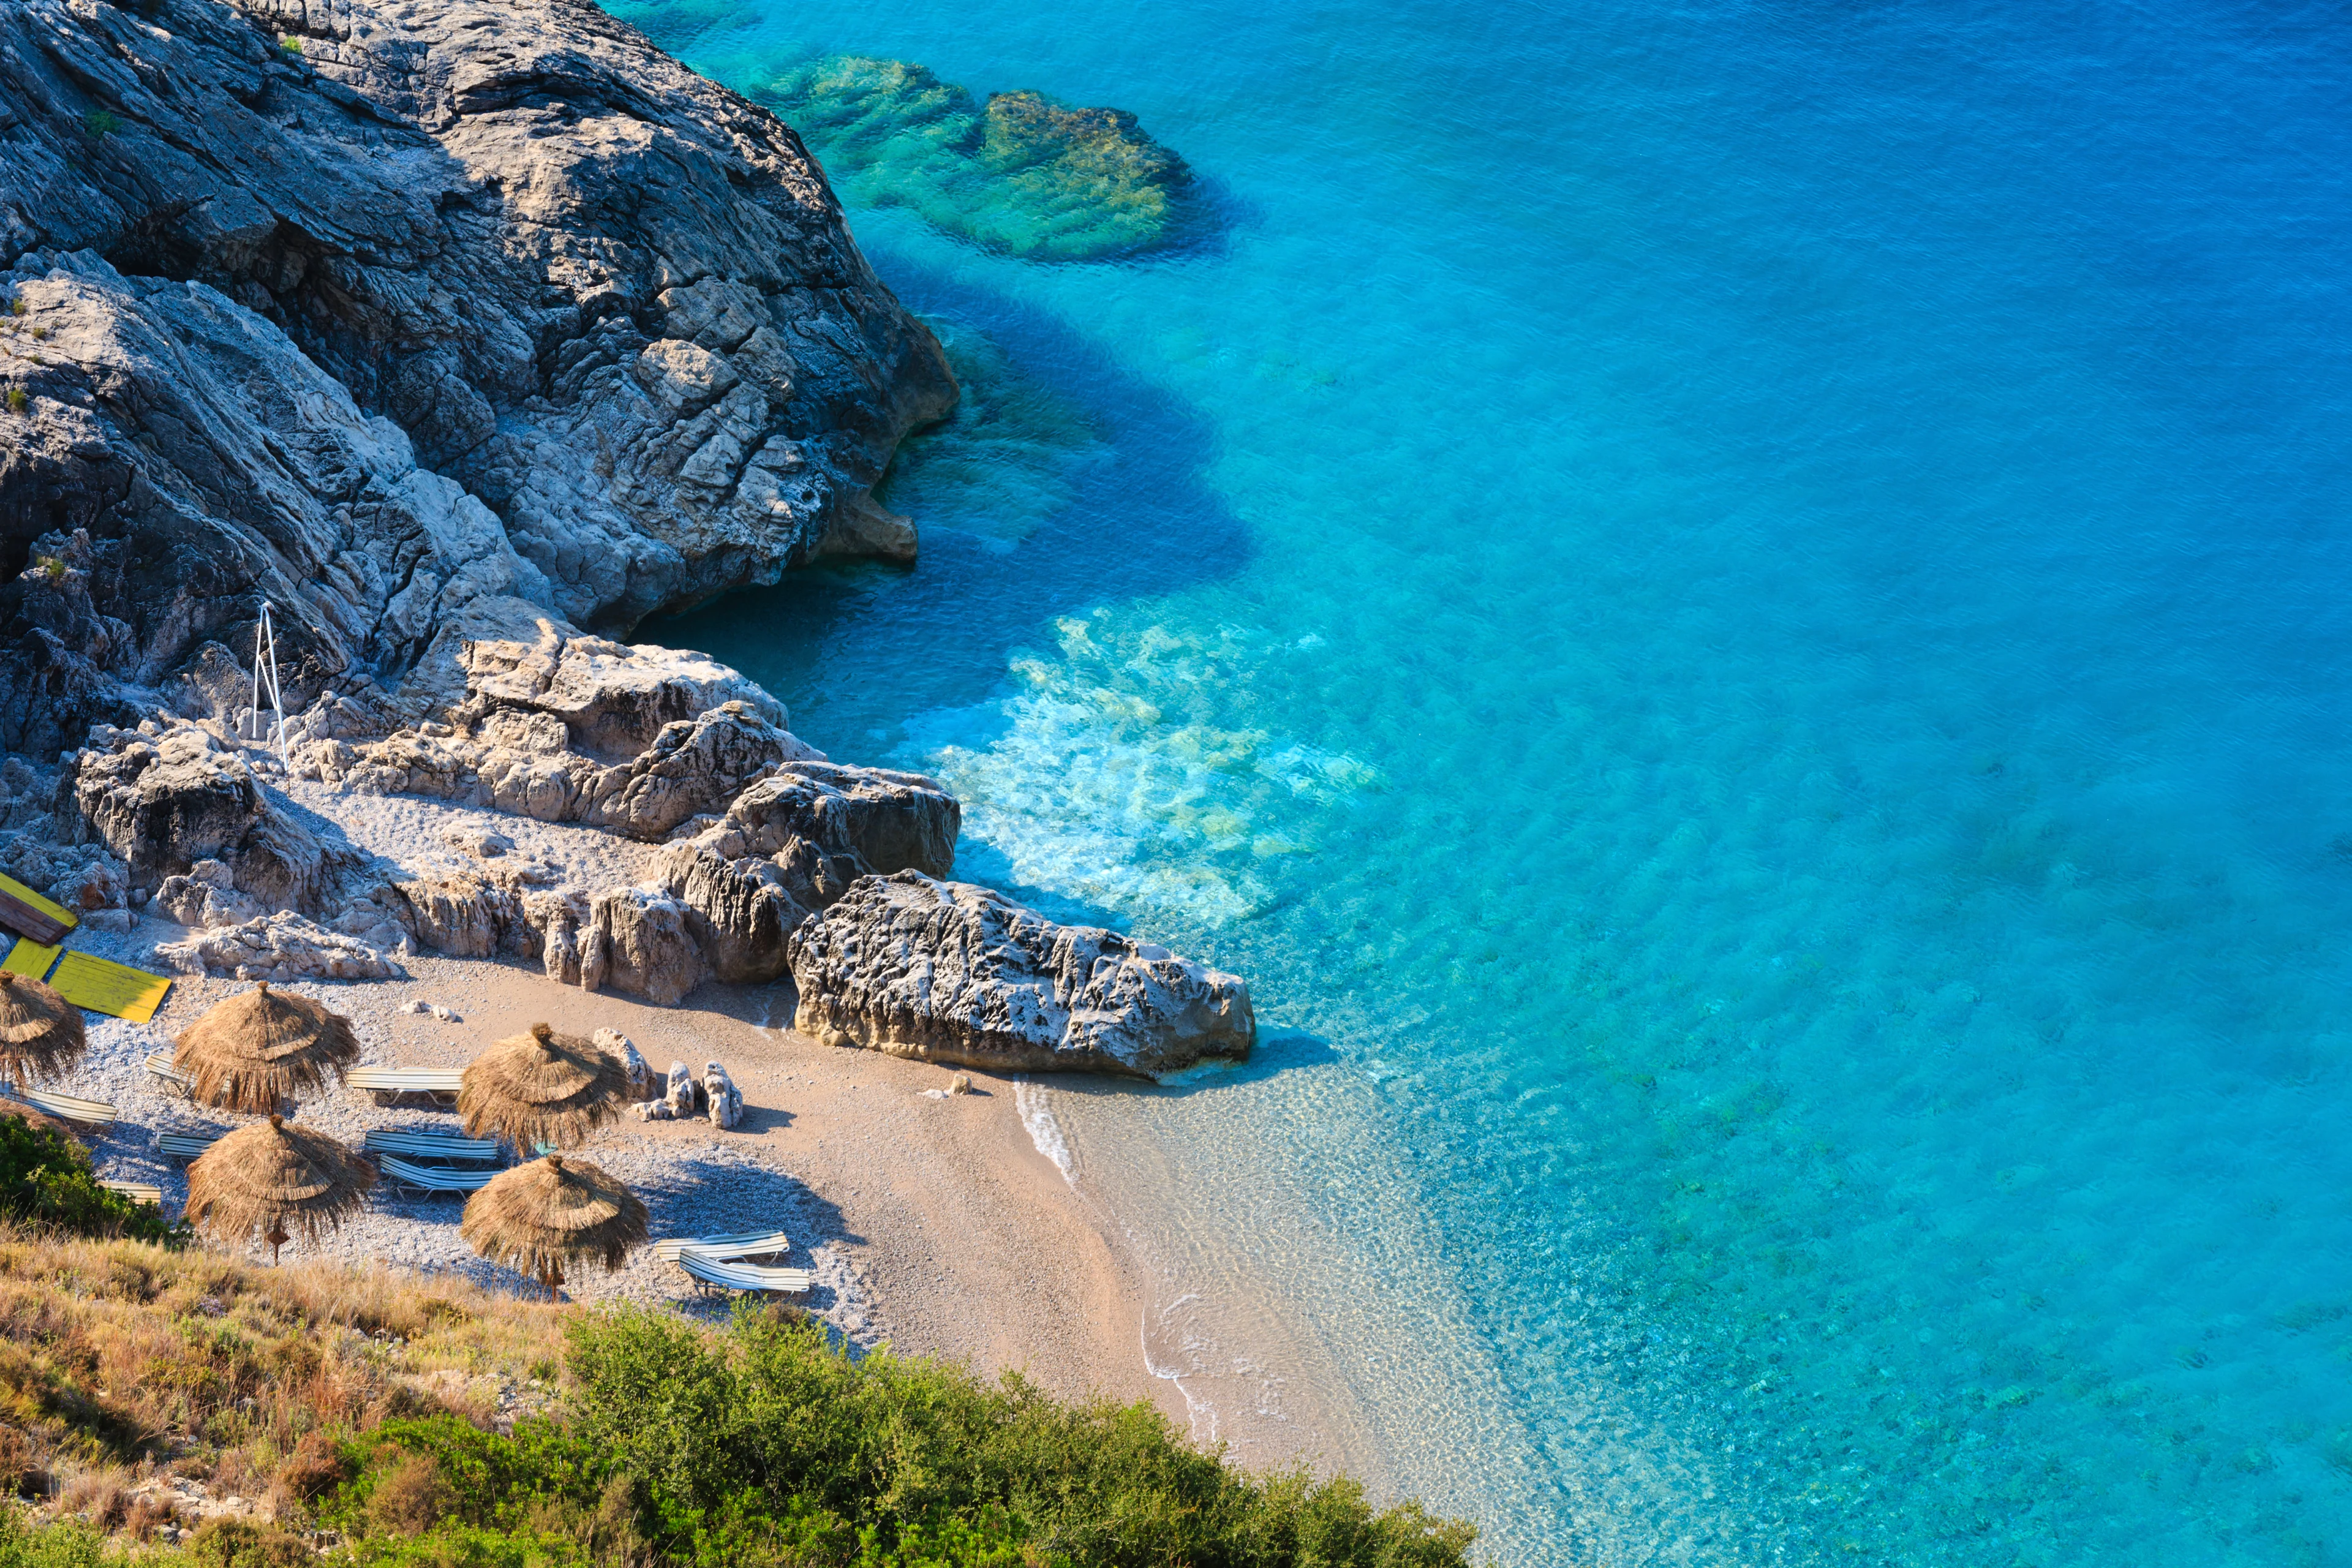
(949, 971)
(452, 315)
(164, 803)
(541, 761)
(637, 941)
(794, 843)
(278, 947)
(613, 699)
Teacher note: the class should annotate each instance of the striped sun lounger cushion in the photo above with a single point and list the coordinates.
(407, 1080)
(744, 1276)
(725, 1248)
(137, 1192)
(434, 1178)
(159, 1066)
(68, 1108)
(429, 1145)
(184, 1145)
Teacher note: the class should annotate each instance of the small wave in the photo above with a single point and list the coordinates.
(1045, 1132)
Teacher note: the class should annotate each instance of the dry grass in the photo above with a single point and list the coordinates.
(120, 1361)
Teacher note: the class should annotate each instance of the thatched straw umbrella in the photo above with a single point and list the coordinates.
(40, 1031)
(262, 1047)
(272, 1175)
(541, 1088)
(537, 1218)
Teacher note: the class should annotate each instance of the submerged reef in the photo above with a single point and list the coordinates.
(1020, 173)
(1008, 458)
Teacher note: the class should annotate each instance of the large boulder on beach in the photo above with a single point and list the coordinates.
(163, 802)
(949, 971)
(636, 941)
(792, 844)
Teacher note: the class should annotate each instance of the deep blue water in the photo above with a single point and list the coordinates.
(1735, 613)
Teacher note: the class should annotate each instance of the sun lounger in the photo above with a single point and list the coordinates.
(70, 1108)
(33, 915)
(185, 1146)
(411, 1177)
(429, 1146)
(438, 1084)
(726, 1249)
(137, 1192)
(159, 1067)
(712, 1275)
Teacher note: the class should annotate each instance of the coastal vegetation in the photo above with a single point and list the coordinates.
(402, 1422)
(46, 1181)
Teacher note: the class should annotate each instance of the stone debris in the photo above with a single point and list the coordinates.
(163, 801)
(637, 941)
(614, 1043)
(280, 947)
(950, 972)
(725, 1101)
(683, 1095)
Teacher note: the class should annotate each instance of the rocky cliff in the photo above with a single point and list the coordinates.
(461, 333)
(423, 320)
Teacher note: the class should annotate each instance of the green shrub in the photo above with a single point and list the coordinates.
(68, 1545)
(240, 1544)
(100, 123)
(291, 45)
(768, 1445)
(17, 400)
(45, 1180)
(767, 1448)
(17, 306)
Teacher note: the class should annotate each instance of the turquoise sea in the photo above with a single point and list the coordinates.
(1733, 613)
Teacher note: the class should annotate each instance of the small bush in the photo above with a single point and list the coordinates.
(292, 46)
(17, 306)
(17, 400)
(237, 1543)
(409, 1499)
(45, 1176)
(67, 1545)
(100, 123)
(316, 1467)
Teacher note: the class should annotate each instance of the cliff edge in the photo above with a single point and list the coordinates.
(425, 320)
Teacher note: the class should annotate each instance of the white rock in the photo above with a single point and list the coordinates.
(949, 971)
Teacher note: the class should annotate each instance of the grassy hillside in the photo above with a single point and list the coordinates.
(388, 1421)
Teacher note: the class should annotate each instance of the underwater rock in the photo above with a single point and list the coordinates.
(1020, 173)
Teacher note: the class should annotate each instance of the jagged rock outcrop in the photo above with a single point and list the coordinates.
(165, 802)
(792, 844)
(613, 699)
(949, 971)
(528, 733)
(636, 941)
(84, 878)
(418, 318)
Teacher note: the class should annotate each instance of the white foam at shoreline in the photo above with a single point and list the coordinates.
(1045, 1132)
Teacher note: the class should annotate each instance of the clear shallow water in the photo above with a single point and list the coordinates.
(1736, 615)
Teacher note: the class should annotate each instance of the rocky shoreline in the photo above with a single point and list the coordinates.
(449, 331)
